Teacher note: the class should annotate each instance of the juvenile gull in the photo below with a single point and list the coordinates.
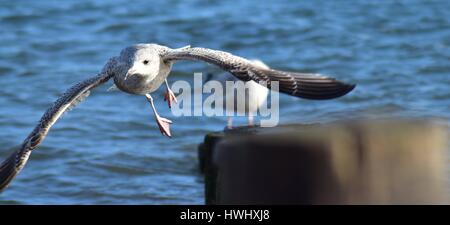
(141, 69)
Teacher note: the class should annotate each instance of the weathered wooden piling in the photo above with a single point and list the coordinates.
(375, 162)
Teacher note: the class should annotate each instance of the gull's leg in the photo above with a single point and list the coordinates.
(230, 123)
(169, 96)
(250, 120)
(163, 123)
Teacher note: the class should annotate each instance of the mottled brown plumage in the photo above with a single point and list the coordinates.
(140, 69)
(16, 161)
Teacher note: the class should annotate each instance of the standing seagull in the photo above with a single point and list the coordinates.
(253, 101)
(140, 69)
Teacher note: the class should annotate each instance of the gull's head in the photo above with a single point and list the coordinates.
(138, 66)
(141, 60)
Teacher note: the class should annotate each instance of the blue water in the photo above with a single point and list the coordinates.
(109, 151)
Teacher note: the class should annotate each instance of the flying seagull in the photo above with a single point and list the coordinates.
(142, 68)
(255, 95)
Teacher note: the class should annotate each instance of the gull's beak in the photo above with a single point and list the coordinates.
(130, 72)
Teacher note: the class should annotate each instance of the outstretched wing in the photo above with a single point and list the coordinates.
(304, 85)
(16, 161)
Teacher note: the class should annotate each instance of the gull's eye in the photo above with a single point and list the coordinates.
(145, 62)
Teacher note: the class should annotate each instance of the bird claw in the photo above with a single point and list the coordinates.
(164, 126)
(170, 97)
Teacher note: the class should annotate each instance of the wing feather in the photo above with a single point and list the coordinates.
(17, 160)
(304, 85)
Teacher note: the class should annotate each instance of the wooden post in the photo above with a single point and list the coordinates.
(372, 162)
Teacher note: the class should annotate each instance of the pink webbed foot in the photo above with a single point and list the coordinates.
(170, 97)
(164, 126)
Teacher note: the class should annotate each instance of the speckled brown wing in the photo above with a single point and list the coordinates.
(17, 160)
(304, 85)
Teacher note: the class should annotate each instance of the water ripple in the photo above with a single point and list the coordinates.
(109, 151)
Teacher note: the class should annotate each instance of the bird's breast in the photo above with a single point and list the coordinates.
(133, 84)
(141, 84)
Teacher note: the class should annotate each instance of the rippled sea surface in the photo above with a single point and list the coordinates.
(109, 151)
